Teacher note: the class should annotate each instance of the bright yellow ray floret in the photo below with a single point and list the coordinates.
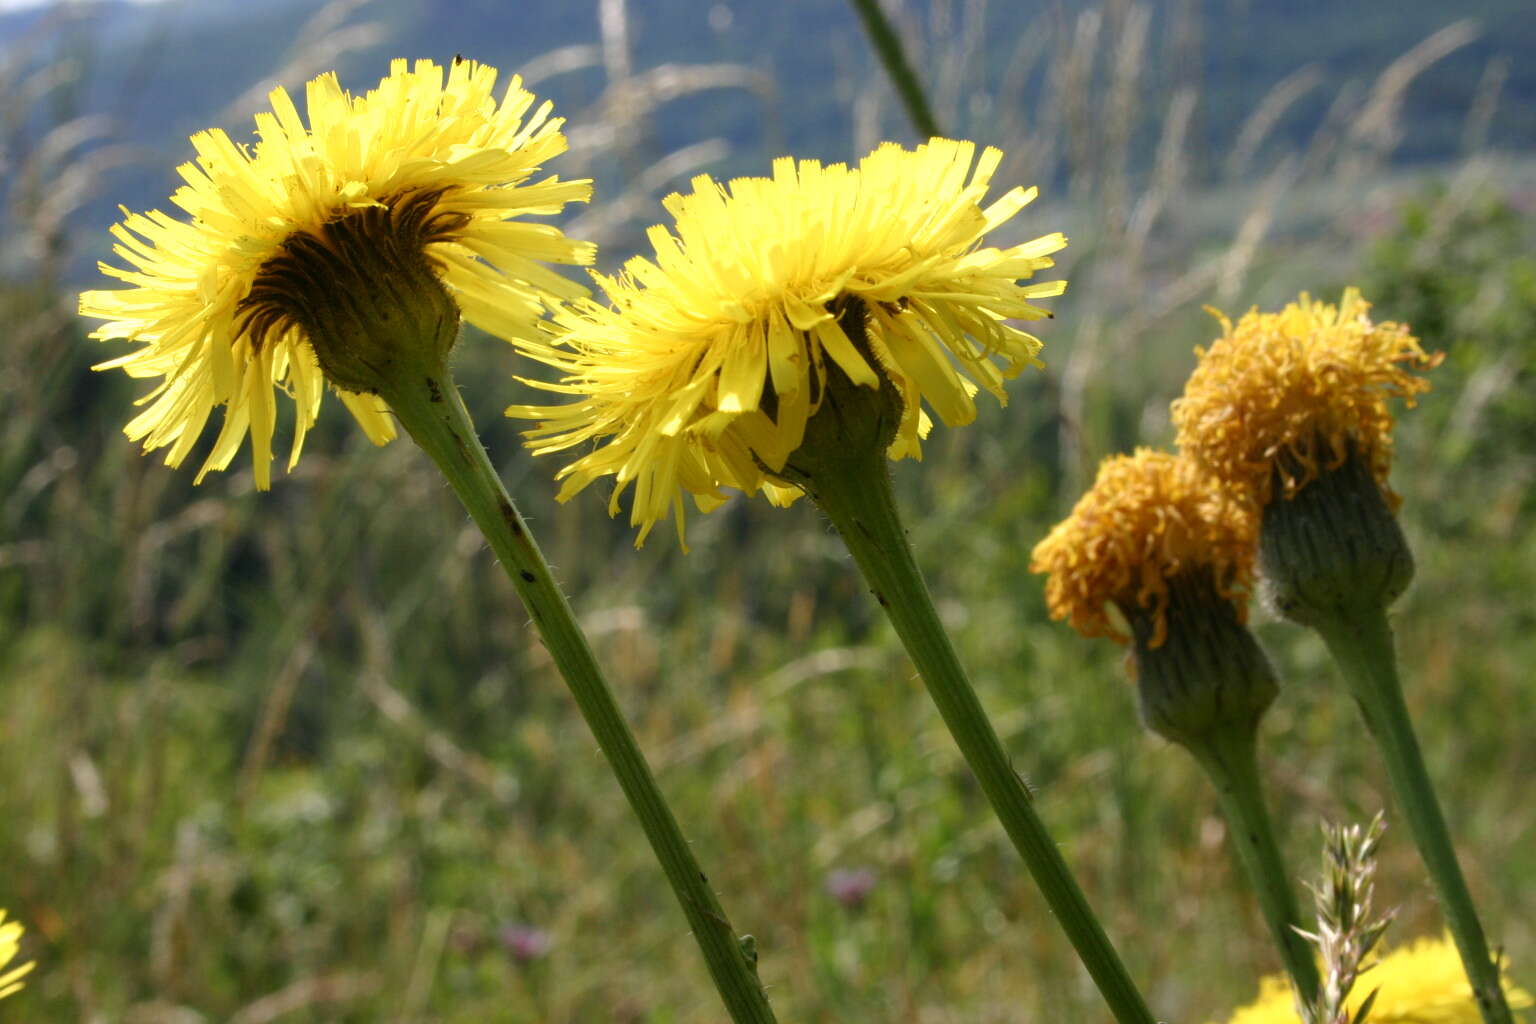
(1291, 392)
(1147, 518)
(702, 373)
(10, 945)
(1423, 983)
(425, 135)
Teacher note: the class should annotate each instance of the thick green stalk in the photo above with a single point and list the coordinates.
(856, 496)
(888, 45)
(1230, 759)
(430, 409)
(1361, 643)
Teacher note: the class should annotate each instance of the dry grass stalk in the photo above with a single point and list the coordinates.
(1485, 101)
(1074, 78)
(1378, 130)
(560, 61)
(308, 993)
(1167, 178)
(1347, 930)
(1119, 116)
(1268, 113)
(319, 45)
(1331, 132)
(637, 203)
(1254, 227)
(958, 61)
(373, 681)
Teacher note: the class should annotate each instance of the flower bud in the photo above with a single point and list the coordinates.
(1333, 547)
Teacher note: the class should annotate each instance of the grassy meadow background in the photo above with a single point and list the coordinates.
(299, 756)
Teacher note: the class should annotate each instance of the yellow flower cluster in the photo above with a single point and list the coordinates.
(1148, 518)
(444, 146)
(10, 945)
(1423, 983)
(1285, 394)
(702, 373)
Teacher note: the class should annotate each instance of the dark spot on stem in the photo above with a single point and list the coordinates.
(527, 576)
(509, 516)
(434, 390)
(881, 598)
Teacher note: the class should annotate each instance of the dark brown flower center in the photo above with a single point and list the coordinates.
(360, 285)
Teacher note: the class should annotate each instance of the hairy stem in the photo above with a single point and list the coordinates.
(1230, 759)
(1361, 643)
(431, 411)
(856, 496)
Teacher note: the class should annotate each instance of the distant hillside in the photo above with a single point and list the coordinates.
(163, 71)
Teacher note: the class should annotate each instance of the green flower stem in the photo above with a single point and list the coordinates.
(888, 45)
(856, 495)
(1361, 643)
(430, 409)
(1230, 759)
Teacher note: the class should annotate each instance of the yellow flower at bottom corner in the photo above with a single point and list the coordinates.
(10, 945)
(1422, 983)
(430, 155)
(703, 372)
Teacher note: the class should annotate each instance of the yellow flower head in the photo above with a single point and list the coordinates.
(1291, 392)
(10, 944)
(712, 357)
(432, 154)
(1147, 518)
(1419, 984)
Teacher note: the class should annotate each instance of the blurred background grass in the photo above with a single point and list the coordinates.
(298, 756)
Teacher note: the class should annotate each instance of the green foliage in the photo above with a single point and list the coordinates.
(254, 742)
(1461, 268)
(302, 748)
